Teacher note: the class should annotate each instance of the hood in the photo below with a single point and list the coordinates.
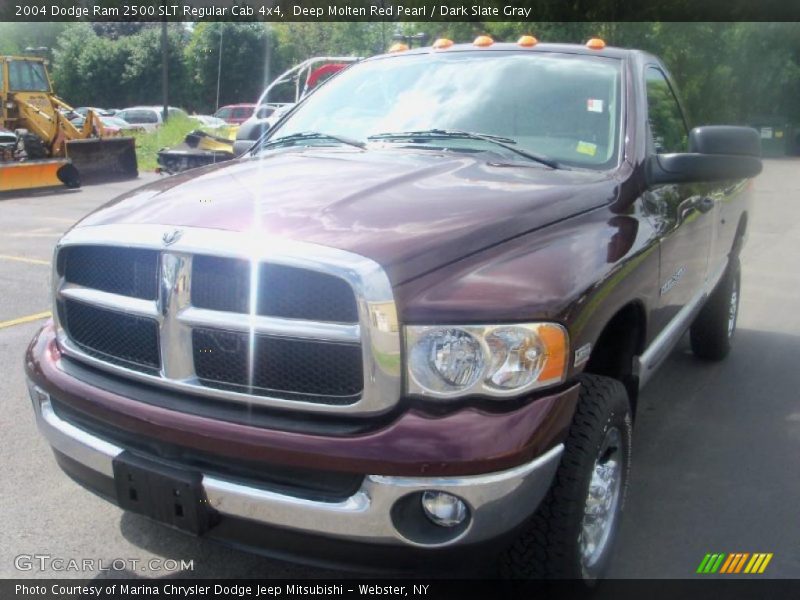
(412, 211)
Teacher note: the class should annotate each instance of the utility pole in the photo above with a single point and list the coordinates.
(164, 70)
(219, 64)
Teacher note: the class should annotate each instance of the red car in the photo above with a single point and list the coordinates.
(235, 114)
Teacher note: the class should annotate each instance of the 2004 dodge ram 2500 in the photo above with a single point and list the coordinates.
(410, 324)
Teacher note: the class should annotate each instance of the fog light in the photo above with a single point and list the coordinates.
(444, 509)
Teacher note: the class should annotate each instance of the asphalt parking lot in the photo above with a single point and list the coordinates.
(716, 446)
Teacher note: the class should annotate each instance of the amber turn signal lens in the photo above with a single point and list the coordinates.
(555, 343)
(442, 44)
(483, 41)
(398, 48)
(595, 44)
(527, 41)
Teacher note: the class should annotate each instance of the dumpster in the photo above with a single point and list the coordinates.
(778, 136)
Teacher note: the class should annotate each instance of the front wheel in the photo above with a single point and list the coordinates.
(571, 534)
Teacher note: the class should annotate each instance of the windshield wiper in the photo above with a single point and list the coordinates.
(310, 135)
(497, 140)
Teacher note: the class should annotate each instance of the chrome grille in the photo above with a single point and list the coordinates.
(331, 372)
(112, 336)
(125, 271)
(224, 284)
(317, 329)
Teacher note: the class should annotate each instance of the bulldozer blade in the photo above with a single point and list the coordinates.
(103, 159)
(33, 174)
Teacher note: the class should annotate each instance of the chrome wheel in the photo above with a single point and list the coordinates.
(733, 308)
(602, 500)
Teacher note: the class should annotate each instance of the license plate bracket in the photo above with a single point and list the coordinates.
(171, 495)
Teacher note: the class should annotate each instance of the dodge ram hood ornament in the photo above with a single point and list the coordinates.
(170, 237)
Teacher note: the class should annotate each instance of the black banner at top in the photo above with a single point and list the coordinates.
(402, 10)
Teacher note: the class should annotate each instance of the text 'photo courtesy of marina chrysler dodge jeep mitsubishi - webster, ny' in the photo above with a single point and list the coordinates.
(411, 324)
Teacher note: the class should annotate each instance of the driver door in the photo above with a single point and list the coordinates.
(682, 213)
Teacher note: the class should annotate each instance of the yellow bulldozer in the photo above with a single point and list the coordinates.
(42, 147)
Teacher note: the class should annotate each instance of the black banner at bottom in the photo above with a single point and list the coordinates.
(481, 589)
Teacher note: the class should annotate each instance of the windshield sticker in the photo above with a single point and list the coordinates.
(594, 105)
(587, 148)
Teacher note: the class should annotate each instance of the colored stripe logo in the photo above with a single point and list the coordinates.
(736, 562)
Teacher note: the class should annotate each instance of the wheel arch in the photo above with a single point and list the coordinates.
(621, 340)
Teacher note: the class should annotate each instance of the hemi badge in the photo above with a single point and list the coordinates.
(582, 355)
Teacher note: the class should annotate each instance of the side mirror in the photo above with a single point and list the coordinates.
(716, 153)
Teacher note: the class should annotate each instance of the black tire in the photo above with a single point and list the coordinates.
(714, 327)
(34, 147)
(550, 544)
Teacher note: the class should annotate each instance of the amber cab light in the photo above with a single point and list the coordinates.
(483, 41)
(442, 44)
(527, 41)
(398, 48)
(595, 44)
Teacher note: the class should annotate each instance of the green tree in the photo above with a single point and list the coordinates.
(141, 77)
(15, 37)
(247, 51)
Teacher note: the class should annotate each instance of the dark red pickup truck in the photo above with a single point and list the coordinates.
(412, 323)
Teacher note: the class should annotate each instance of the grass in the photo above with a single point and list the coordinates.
(168, 135)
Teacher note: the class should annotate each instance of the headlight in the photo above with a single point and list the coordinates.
(491, 360)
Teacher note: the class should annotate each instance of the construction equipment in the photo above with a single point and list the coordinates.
(200, 148)
(49, 149)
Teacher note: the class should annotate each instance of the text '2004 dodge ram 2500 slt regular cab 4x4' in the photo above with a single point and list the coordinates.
(412, 322)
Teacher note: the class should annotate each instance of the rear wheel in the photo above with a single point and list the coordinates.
(572, 533)
(713, 329)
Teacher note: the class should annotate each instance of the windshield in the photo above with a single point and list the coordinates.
(27, 76)
(565, 107)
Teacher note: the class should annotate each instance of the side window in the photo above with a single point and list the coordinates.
(664, 113)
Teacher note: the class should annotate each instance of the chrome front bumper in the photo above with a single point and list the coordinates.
(385, 510)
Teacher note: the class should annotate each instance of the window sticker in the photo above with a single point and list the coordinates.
(594, 105)
(587, 148)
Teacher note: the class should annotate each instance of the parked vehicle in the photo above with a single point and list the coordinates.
(412, 324)
(235, 114)
(112, 125)
(84, 110)
(7, 137)
(149, 117)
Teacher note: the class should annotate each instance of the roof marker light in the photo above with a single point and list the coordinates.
(483, 41)
(398, 48)
(595, 44)
(442, 44)
(527, 41)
